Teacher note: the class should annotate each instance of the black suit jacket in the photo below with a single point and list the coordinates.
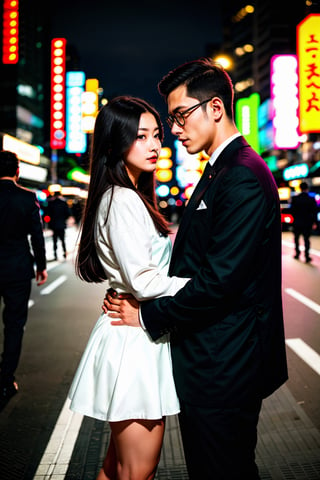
(58, 211)
(226, 324)
(20, 221)
(304, 210)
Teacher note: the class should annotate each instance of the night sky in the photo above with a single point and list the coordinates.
(129, 46)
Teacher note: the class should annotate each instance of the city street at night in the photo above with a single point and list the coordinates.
(121, 117)
(42, 439)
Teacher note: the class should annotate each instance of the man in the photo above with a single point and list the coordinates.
(58, 212)
(304, 212)
(226, 324)
(19, 219)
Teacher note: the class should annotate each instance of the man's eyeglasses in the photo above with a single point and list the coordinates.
(180, 117)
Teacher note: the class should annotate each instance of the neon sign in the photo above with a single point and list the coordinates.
(76, 140)
(308, 47)
(285, 102)
(10, 32)
(58, 92)
(247, 119)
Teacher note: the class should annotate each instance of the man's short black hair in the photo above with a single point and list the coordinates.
(203, 79)
(304, 186)
(9, 163)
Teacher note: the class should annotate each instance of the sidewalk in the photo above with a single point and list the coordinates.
(288, 444)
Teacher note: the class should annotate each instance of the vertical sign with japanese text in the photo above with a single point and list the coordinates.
(308, 51)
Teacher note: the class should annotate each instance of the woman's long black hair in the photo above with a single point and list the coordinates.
(115, 131)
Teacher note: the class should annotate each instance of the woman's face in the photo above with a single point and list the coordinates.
(144, 152)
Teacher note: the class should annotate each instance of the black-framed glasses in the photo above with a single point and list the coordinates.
(180, 117)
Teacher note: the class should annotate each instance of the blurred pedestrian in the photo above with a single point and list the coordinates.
(20, 220)
(226, 324)
(304, 212)
(124, 377)
(58, 212)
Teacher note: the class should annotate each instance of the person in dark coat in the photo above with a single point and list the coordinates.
(304, 212)
(58, 211)
(20, 220)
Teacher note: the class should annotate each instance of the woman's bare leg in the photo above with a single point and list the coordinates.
(109, 467)
(137, 445)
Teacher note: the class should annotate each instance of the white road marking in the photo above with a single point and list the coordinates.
(55, 284)
(55, 460)
(305, 352)
(30, 303)
(305, 300)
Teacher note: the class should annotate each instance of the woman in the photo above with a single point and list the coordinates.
(123, 376)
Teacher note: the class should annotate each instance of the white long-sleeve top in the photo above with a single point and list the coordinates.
(132, 252)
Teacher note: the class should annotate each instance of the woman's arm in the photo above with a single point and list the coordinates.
(130, 234)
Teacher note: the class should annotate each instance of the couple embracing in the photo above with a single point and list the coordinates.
(197, 331)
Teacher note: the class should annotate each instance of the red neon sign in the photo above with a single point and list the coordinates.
(10, 33)
(58, 94)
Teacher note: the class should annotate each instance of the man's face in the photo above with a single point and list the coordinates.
(198, 131)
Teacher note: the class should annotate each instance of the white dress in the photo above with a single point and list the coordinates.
(123, 374)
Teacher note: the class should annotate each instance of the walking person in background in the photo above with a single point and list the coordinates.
(304, 212)
(58, 212)
(124, 377)
(19, 218)
(226, 323)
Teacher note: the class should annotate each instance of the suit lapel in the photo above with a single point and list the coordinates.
(206, 178)
(209, 174)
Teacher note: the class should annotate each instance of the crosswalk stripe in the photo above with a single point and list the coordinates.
(306, 353)
(53, 285)
(305, 300)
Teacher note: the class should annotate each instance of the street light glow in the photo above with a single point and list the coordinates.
(224, 61)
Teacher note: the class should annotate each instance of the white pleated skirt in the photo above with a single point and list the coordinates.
(124, 375)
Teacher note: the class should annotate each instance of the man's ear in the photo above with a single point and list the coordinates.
(17, 173)
(217, 107)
